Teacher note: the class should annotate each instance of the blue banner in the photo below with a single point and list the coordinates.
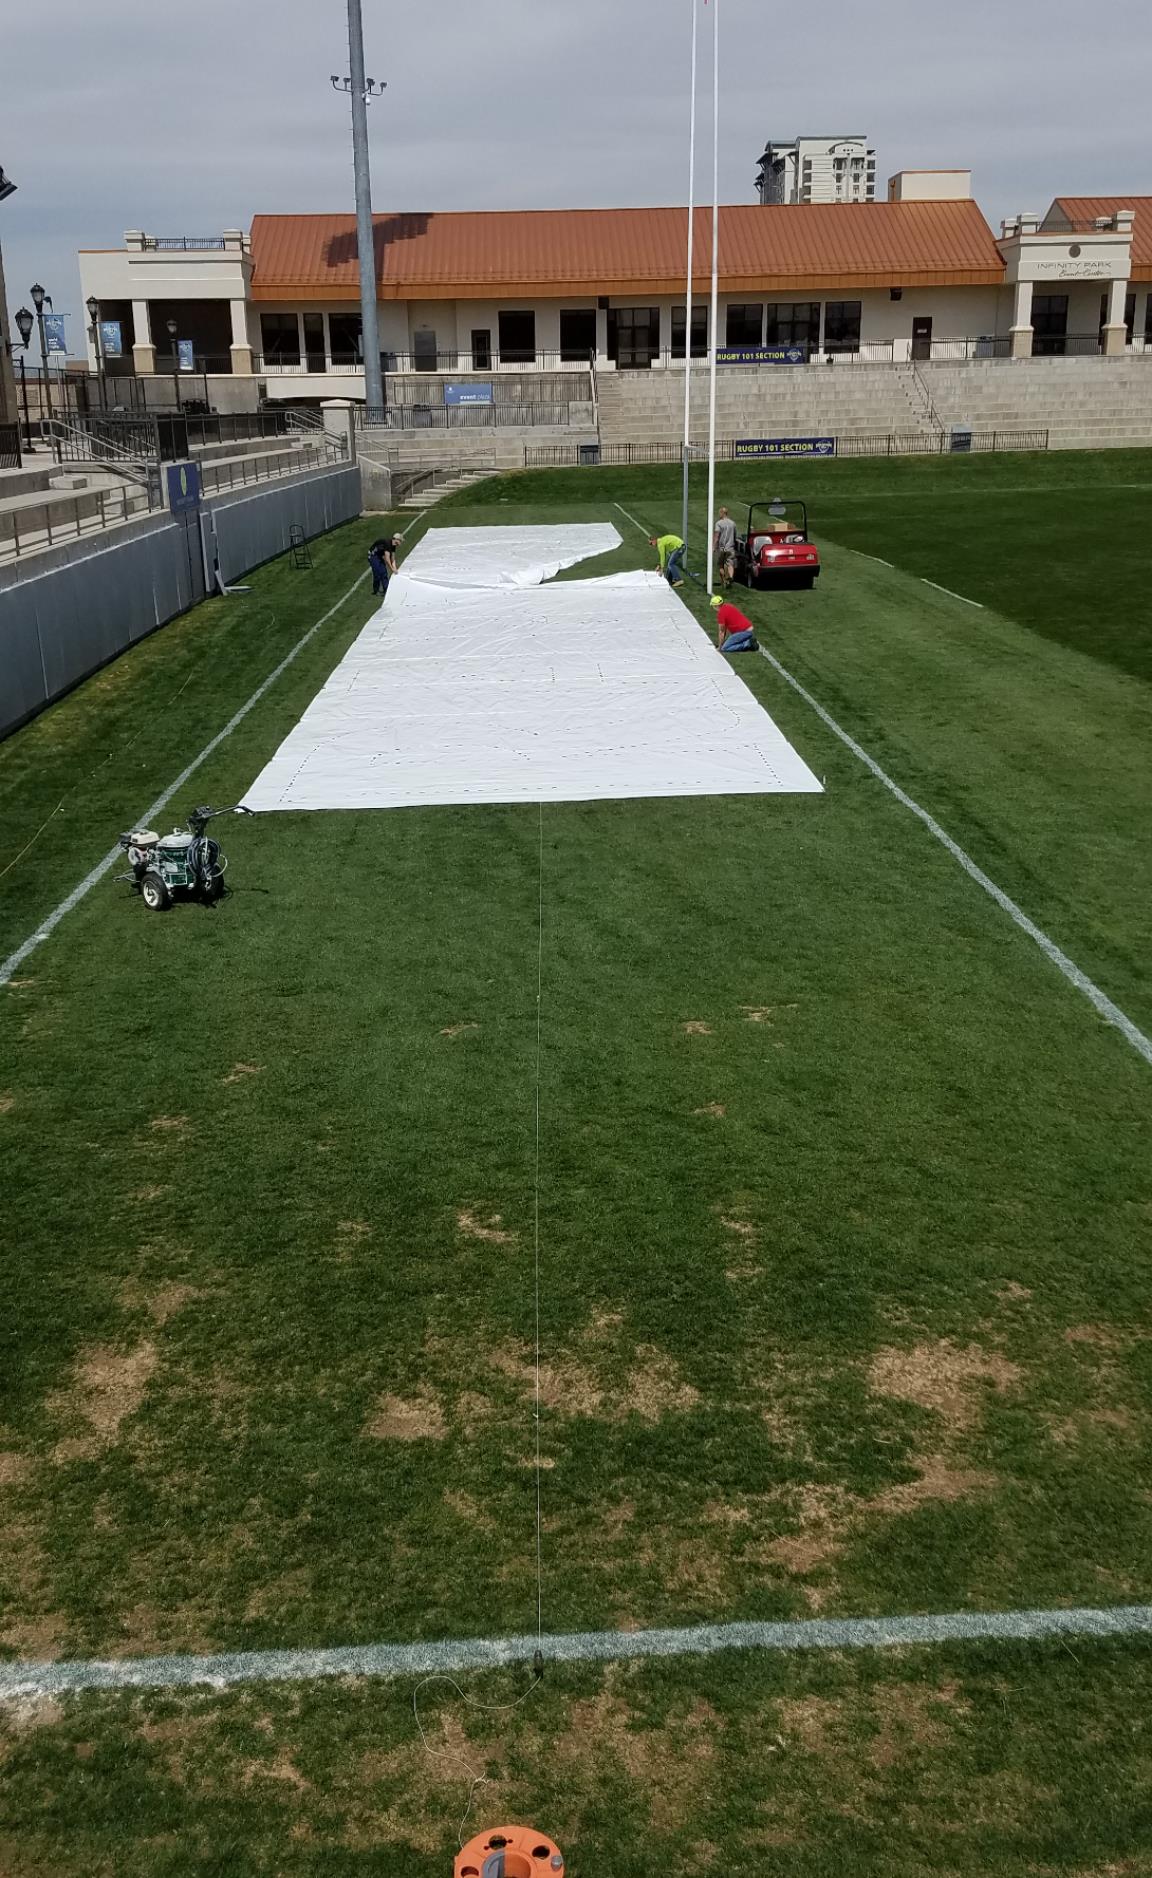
(468, 394)
(55, 337)
(111, 339)
(784, 446)
(186, 354)
(761, 355)
(183, 487)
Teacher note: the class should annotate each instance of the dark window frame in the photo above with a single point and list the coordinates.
(283, 349)
(842, 325)
(699, 331)
(739, 329)
(576, 352)
(346, 338)
(792, 323)
(512, 351)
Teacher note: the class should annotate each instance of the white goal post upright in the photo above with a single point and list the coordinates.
(712, 314)
(688, 296)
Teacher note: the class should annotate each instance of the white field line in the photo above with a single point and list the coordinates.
(632, 519)
(1111, 1013)
(21, 1681)
(951, 595)
(46, 928)
(870, 557)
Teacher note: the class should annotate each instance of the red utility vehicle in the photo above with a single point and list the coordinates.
(775, 550)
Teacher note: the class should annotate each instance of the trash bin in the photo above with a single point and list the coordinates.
(589, 455)
(960, 442)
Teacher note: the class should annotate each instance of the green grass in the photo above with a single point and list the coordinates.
(843, 1194)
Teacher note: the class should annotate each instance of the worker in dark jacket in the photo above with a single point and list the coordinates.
(382, 560)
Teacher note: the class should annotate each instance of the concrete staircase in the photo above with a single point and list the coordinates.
(426, 495)
(1083, 404)
(765, 401)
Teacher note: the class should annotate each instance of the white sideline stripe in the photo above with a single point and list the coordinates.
(46, 928)
(632, 519)
(1111, 1013)
(951, 595)
(21, 1681)
(871, 557)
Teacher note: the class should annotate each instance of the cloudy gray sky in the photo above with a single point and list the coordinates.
(186, 119)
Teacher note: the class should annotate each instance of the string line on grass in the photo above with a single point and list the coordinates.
(536, 1226)
(952, 595)
(48, 926)
(1110, 1012)
(21, 1681)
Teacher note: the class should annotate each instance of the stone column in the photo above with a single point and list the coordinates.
(601, 337)
(241, 350)
(340, 421)
(1021, 331)
(143, 350)
(1115, 333)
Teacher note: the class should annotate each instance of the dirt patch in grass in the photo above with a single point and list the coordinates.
(171, 1124)
(107, 1387)
(458, 1030)
(161, 1302)
(354, 1228)
(408, 1418)
(1012, 1293)
(240, 1073)
(671, 1767)
(37, 1639)
(490, 1230)
(715, 1109)
(150, 1193)
(695, 1027)
(942, 1377)
(7, 1101)
(938, 1480)
(909, 1719)
(1109, 1338)
(14, 1469)
(809, 1721)
(758, 1013)
(26, 1712)
(742, 1228)
(570, 1385)
(430, 1784)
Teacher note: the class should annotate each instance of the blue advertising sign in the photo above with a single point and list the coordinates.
(55, 337)
(784, 446)
(111, 339)
(183, 487)
(468, 394)
(186, 354)
(761, 355)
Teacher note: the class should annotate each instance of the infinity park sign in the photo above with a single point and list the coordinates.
(784, 446)
(761, 355)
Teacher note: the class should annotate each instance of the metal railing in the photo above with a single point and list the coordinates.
(1067, 345)
(9, 446)
(93, 439)
(496, 416)
(293, 460)
(92, 510)
(990, 346)
(183, 243)
(205, 427)
(729, 450)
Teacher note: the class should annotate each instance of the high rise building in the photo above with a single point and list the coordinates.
(818, 169)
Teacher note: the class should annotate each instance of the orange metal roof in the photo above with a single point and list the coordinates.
(1089, 208)
(480, 255)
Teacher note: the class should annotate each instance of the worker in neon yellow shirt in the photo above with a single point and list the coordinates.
(670, 549)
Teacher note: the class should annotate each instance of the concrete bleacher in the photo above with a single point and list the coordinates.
(1082, 403)
(764, 401)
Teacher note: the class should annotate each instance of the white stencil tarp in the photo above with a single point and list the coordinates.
(526, 693)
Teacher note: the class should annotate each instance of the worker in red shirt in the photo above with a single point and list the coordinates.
(734, 630)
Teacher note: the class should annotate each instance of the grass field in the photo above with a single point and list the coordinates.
(845, 1204)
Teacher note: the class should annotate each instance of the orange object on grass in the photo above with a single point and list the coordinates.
(509, 1852)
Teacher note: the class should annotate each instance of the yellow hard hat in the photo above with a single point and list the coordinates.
(716, 600)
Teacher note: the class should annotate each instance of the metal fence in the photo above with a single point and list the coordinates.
(464, 416)
(890, 443)
(296, 457)
(9, 446)
(68, 515)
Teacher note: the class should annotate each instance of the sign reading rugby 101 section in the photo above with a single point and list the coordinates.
(761, 355)
(784, 446)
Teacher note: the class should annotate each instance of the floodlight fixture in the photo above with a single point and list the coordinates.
(25, 321)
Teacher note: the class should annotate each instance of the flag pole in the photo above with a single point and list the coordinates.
(688, 295)
(713, 313)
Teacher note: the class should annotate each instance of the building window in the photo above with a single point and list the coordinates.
(345, 334)
(280, 338)
(578, 336)
(793, 323)
(842, 326)
(1050, 325)
(314, 342)
(633, 336)
(744, 326)
(699, 332)
(481, 349)
(517, 338)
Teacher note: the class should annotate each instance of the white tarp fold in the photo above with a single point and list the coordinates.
(506, 691)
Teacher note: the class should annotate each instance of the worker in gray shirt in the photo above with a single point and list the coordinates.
(724, 548)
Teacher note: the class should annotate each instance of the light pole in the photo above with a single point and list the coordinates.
(40, 299)
(173, 329)
(360, 90)
(24, 325)
(93, 306)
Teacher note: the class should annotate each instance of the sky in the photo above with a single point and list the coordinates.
(190, 119)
